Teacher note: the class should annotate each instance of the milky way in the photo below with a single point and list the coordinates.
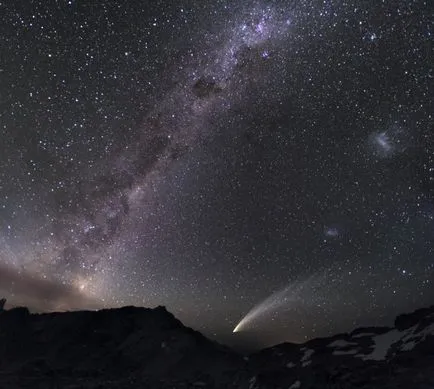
(204, 156)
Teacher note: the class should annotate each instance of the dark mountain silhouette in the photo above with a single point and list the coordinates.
(135, 348)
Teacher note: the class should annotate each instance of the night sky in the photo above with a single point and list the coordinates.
(270, 159)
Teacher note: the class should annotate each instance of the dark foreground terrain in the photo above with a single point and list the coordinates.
(149, 348)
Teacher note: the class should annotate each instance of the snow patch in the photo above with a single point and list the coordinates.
(408, 346)
(341, 343)
(382, 345)
(363, 334)
(290, 365)
(409, 338)
(307, 354)
(306, 357)
(412, 338)
(295, 385)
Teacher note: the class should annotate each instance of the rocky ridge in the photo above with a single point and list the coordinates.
(135, 348)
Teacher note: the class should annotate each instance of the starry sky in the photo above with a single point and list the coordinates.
(260, 165)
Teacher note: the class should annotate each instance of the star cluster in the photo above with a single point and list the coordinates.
(208, 155)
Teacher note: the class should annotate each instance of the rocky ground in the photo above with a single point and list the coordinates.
(149, 348)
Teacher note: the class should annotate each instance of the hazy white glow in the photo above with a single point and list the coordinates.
(383, 141)
(385, 144)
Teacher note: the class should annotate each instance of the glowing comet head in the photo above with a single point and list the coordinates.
(237, 328)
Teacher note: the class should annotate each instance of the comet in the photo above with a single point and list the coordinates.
(288, 297)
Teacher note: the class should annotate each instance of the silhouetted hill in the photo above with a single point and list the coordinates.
(149, 348)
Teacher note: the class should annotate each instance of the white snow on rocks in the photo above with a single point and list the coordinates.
(306, 357)
(412, 338)
(295, 385)
(409, 339)
(382, 344)
(340, 343)
(363, 334)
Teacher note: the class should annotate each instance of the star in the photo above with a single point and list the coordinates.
(248, 159)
